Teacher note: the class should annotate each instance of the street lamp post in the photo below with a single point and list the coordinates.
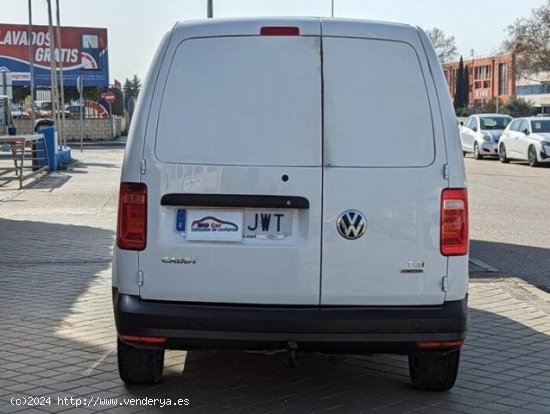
(60, 63)
(53, 76)
(31, 65)
(209, 9)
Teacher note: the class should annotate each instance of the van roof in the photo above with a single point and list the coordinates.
(309, 26)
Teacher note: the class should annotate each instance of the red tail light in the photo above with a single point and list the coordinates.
(150, 340)
(440, 344)
(279, 31)
(132, 217)
(454, 222)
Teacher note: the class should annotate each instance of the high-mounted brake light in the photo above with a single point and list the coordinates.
(279, 31)
(132, 216)
(454, 222)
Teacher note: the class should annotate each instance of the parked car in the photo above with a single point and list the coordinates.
(526, 139)
(237, 180)
(481, 133)
(17, 112)
(43, 109)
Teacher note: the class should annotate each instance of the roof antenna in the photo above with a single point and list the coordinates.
(331, 8)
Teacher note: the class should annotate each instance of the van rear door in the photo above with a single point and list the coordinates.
(384, 159)
(234, 172)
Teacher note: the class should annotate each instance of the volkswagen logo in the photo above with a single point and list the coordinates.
(351, 224)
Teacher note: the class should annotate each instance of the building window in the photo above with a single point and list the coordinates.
(483, 72)
(533, 89)
(502, 79)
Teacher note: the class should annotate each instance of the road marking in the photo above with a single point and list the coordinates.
(483, 265)
(99, 361)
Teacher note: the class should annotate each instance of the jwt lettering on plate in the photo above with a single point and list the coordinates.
(264, 220)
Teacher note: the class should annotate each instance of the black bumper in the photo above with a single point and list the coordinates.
(358, 329)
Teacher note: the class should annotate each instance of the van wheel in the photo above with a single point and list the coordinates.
(434, 370)
(477, 155)
(139, 366)
(502, 154)
(464, 153)
(532, 157)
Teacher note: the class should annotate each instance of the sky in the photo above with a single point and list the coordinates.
(135, 27)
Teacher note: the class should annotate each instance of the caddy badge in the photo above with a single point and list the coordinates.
(179, 260)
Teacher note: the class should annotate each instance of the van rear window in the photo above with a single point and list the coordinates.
(242, 101)
(377, 112)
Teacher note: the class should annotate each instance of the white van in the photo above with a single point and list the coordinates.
(293, 184)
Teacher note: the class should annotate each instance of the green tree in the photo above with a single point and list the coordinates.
(131, 87)
(466, 87)
(136, 85)
(445, 46)
(459, 90)
(529, 39)
(516, 107)
(489, 107)
(127, 87)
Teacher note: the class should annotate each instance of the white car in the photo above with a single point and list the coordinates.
(526, 139)
(261, 209)
(481, 133)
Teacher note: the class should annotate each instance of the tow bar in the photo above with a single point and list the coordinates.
(291, 361)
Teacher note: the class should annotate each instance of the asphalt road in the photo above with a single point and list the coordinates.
(510, 218)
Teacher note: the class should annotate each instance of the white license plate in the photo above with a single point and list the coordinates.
(267, 224)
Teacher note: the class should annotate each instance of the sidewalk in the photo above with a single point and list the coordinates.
(58, 336)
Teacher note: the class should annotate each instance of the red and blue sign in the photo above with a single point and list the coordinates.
(83, 52)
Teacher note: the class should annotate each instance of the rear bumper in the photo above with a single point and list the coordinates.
(331, 329)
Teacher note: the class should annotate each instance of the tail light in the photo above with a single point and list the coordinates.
(132, 216)
(440, 344)
(149, 340)
(454, 222)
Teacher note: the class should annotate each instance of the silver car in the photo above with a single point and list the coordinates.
(526, 139)
(481, 133)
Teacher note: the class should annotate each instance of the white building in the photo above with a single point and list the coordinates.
(535, 88)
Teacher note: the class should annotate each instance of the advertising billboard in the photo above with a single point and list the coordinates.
(83, 52)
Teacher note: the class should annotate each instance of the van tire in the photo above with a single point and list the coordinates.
(477, 154)
(502, 154)
(138, 365)
(434, 370)
(532, 157)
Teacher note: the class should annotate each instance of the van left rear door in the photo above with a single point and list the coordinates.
(235, 180)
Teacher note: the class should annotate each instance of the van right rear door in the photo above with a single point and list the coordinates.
(383, 162)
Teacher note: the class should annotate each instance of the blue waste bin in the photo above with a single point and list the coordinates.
(51, 149)
(50, 135)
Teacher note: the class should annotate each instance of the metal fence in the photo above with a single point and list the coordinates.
(93, 106)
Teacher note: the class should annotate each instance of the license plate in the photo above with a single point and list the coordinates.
(267, 224)
(233, 225)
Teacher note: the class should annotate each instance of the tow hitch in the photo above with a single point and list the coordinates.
(291, 361)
